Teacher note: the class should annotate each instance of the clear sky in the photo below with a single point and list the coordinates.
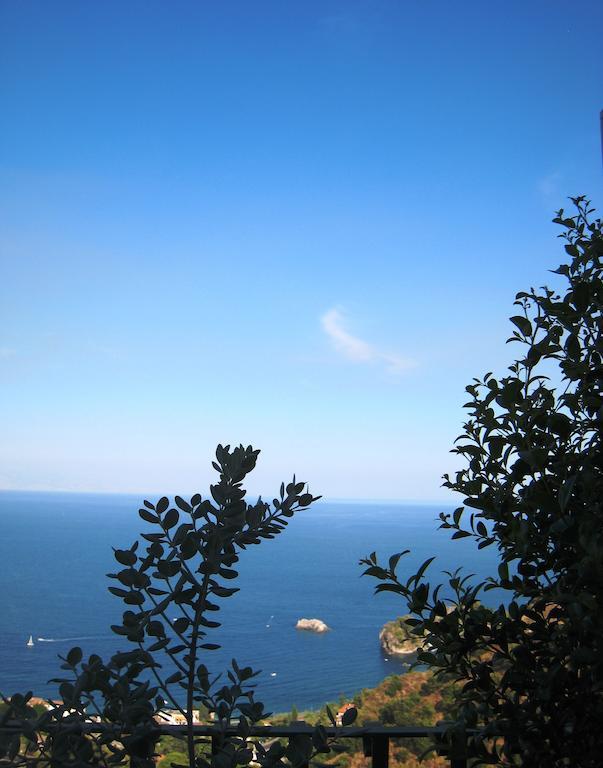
(299, 225)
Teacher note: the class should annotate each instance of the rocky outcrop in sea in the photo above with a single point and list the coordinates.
(312, 625)
(396, 638)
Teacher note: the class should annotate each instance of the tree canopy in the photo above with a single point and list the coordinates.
(532, 667)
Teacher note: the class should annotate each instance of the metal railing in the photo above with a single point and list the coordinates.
(375, 738)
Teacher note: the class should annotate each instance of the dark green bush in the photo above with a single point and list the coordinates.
(531, 668)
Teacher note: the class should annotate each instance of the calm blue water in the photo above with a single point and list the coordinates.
(56, 549)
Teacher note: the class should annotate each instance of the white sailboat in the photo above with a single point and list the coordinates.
(30, 642)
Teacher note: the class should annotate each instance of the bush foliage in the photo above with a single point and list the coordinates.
(531, 668)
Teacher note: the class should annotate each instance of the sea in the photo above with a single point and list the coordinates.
(56, 549)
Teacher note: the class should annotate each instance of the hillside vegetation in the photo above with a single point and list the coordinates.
(415, 698)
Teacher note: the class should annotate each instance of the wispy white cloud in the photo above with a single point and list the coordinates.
(357, 350)
(6, 352)
(351, 347)
(548, 186)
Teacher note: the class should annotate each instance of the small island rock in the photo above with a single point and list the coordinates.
(312, 625)
(396, 638)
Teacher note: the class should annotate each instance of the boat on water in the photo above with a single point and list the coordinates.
(30, 642)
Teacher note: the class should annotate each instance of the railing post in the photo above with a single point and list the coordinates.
(142, 752)
(376, 746)
(215, 743)
(380, 751)
(142, 762)
(303, 723)
(454, 748)
(458, 753)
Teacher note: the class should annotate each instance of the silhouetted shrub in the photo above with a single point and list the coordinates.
(183, 565)
(532, 668)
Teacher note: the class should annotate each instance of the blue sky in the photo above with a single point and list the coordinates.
(298, 225)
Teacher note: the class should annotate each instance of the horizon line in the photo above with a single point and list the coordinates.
(138, 494)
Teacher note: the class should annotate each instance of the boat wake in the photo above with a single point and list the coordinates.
(71, 639)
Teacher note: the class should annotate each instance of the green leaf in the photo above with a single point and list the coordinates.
(147, 516)
(581, 296)
(183, 505)
(188, 548)
(125, 556)
(460, 534)
(572, 347)
(155, 628)
(395, 559)
(134, 598)
(119, 630)
(74, 656)
(524, 325)
(228, 573)
(159, 645)
(349, 716)
(162, 505)
(181, 624)
(565, 492)
(171, 519)
(118, 592)
(67, 692)
(168, 568)
(424, 567)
